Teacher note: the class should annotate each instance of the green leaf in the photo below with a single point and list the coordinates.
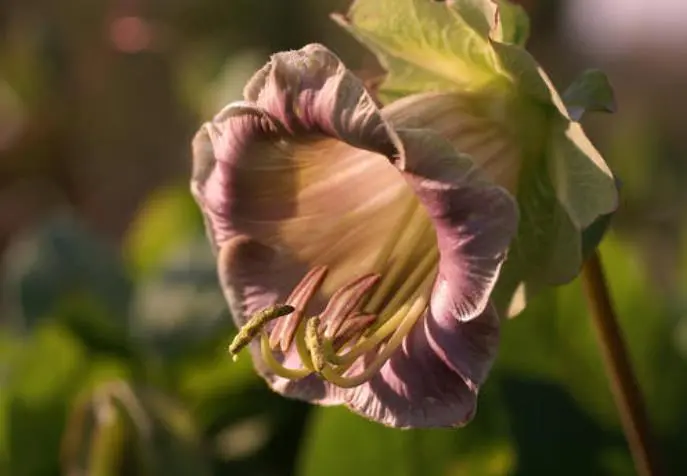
(513, 23)
(500, 107)
(591, 91)
(146, 433)
(169, 217)
(555, 342)
(562, 345)
(584, 185)
(480, 16)
(180, 306)
(547, 248)
(60, 260)
(37, 386)
(425, 46)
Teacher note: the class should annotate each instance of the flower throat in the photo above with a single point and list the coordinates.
(367, 318)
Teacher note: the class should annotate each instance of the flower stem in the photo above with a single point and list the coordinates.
(626, 392)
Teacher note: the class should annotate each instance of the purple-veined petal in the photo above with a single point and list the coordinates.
(479, 339)
(319, 200)
(306, 172)
(311, 91)
(297, 169)
(434, 377)
(425, 386)
(296, 177)
(474, 222)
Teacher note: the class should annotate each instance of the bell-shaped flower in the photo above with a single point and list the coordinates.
(357, 258)
(460, 68)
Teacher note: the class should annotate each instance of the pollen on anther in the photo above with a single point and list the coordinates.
(256, 324)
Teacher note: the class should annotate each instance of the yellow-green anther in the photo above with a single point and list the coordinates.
(315, 343)
(255, 324)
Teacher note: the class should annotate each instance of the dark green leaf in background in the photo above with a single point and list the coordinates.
(60, 260)
(166, 219)
(341, 443)
(179, 305)
(591, 91)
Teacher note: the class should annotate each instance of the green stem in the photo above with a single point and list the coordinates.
(626, 392)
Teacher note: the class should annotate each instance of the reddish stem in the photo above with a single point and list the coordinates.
(626, 392)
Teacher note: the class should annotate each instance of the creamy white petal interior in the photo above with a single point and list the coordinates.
(474, 125)
(351, 216)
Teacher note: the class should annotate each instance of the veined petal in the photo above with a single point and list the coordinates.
(479, 341)
(433, 379)
(474, 221)
(298, 169)
(307, 175)
(467, 122)
(318, 199)
(311, 91)
(303, 176)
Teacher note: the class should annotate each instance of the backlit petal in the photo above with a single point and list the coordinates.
(298, 172)
(474, 222)
(474, 125)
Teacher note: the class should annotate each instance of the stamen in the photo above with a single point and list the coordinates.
(275, 366)
(346, 300)
(406, 324)
(302, 348)
(331, 343)
(392, 242)
(420, 278)
(368, 343)
(352, 329)
(400, 261)
(255, 324)
(315, 343)
(410, 285)
(284, 331)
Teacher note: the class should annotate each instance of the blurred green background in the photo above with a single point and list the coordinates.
(113, 333)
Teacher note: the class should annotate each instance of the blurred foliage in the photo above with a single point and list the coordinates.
(113, 350)
(92, 377)
(60, 261)
(145, 391)
(117, 430)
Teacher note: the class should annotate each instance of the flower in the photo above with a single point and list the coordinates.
(357, 258)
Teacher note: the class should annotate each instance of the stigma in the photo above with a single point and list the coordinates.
(367, 318)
